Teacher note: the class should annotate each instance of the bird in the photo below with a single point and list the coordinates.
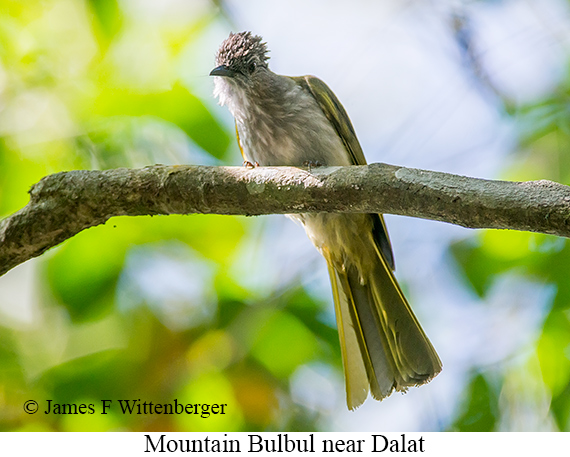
(295, 121)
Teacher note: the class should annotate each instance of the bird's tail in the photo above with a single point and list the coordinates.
(383, 346)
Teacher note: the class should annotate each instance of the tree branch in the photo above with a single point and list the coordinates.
(63, 204)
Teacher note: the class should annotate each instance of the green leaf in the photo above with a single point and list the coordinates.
(554, 356)
(210, 388)
(283, 342)
(105, 374)
(17, 174)
(84, 272)
(480, 410)
(475, 264)
(483, 258)
(108, 16)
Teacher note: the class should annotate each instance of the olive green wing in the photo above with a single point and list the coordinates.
(336, 114)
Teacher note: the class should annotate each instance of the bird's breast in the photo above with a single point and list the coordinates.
(291, 131)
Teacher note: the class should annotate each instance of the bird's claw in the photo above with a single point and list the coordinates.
(312, 163)
(248, 164)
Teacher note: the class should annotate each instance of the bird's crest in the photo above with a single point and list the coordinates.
(242, 50)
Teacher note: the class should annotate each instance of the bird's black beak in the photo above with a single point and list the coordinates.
(222, 70)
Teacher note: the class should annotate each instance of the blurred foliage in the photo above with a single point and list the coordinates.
(483, 259)
(141, 307)
(150, 308)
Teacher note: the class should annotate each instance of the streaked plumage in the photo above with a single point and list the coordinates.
(291, 121)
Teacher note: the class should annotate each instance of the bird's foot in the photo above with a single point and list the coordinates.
(312, 163)
(248, 164)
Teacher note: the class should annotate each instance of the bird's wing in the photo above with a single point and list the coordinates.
(336, 114)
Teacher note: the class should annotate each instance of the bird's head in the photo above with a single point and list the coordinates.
(241, 71)
(240, 56)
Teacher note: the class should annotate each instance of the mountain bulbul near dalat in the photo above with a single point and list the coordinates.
(295, 121)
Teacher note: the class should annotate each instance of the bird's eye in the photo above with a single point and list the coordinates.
(252, 67)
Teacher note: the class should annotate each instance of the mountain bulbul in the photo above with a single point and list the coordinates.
(294, 121)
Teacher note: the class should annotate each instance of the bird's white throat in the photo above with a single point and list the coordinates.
(228, 94)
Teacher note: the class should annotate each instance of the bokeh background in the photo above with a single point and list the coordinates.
(239, 310)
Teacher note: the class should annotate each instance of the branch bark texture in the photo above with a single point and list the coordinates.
(63, 204)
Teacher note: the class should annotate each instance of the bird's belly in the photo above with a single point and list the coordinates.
(309, 137)
(344, 239)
